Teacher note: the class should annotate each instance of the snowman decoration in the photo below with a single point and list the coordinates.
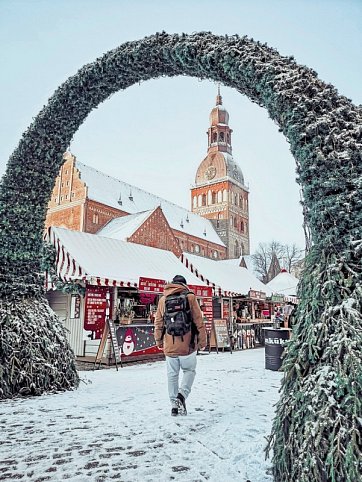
(129, 342)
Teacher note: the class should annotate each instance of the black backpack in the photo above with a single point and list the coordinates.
(177, 317)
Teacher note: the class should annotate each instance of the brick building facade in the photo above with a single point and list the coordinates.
(87, 200)
(217, 227)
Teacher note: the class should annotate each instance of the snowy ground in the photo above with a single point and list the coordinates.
(117, 426)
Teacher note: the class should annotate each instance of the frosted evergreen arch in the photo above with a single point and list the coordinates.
(316, 432)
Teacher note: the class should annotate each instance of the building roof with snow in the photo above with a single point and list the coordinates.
(123, 227)
(120, 195)
(232, 278)
(106, 261)
(284, 283)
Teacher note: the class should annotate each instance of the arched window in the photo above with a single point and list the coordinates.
(235, 222)
(214, 196)
(214, 137)
(241, 201)
(236, 199)
(221, 137)
(225, 195)
(199, 200)
(228, 138)
(203, 200)
(219, 197)
(209, 197)
(236, 249)
(242, 227)
(194, 201)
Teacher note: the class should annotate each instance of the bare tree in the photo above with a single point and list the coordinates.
(292, 254)
(287, 256)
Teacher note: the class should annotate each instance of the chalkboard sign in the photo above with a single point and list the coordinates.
(115, 346)
(221, 333)
(108, 330)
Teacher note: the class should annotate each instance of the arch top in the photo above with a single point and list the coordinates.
(306, 110)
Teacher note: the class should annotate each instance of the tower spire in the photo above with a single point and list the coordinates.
(218, 97)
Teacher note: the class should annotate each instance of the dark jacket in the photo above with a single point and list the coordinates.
(175, 346)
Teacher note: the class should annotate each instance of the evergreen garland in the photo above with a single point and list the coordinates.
(316, 432)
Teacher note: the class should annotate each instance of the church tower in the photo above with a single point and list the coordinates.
(219, 193)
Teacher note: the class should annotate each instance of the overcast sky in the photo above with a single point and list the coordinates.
(153, 134)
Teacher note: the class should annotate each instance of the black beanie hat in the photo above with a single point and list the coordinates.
(179, 279)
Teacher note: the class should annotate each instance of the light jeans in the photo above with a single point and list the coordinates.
(187, 364)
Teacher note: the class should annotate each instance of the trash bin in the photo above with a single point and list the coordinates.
(274, 346)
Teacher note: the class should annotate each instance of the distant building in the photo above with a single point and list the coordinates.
(85, 199)
(220, 193)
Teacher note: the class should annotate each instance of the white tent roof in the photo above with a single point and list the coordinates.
(231, 278)
(110, 191)
(284, 283)
(109, 261)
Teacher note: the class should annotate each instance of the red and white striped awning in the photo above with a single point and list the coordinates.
(66, 266)
(103, 261)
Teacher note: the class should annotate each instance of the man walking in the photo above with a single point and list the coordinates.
(179, 331)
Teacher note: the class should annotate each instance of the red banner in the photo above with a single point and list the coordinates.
(95, 309)
(201, 291)
(225, 309)
(151, 285)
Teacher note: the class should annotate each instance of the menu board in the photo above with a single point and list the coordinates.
(151, 285)
(201, 291)
(205, 293)
(95, 309)
(226, 308)
(221, 333)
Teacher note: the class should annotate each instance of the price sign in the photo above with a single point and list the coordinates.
(95, 309)
(221, 332)
(151, 285)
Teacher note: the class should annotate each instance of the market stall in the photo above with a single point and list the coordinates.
(134, 276)
(239, 301)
